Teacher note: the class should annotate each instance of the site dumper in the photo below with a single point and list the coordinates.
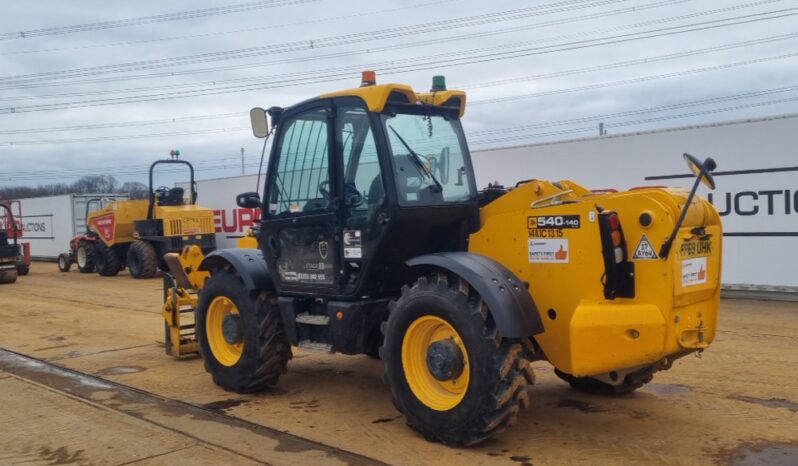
(137, 233)
(374, 239)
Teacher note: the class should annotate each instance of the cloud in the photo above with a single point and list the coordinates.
(129, 148)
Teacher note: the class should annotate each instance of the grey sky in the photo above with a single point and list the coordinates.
(532, 71)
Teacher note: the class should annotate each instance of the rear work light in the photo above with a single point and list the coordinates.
(619, 272)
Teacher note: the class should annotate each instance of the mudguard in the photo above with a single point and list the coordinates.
(249, 263)
(508, 297)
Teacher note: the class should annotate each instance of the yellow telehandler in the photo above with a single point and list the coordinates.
(374, 239)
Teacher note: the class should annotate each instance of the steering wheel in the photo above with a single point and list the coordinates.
(443, 165)
(324, 189)
(352, 197)
(162, 191)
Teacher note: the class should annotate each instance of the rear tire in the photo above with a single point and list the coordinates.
(262, 354)
(593, 386)
(64, 262)
(8, 276)
(106, 262)
(142, 260)
(491, 389)
(84, 256)
(23, 270)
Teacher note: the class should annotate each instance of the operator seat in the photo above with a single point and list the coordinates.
(173, 197)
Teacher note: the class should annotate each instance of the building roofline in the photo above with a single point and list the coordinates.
(640, 133)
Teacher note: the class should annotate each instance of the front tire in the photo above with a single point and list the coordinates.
(142, 260)
(23, 269)
(241, 335)
(106, 262)
(8, 276)
(593, 386)
(455, 379)
(84, 257)
(64, 262)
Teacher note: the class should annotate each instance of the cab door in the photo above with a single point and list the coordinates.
(299, 224)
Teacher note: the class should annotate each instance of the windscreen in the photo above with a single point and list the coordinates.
(430, 159)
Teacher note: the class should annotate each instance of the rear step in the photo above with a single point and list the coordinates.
(313, 319)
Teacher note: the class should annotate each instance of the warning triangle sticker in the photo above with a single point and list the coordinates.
(644, 249)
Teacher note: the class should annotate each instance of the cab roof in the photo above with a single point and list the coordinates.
(378, 95)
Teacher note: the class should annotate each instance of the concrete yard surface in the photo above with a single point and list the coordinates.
(84, 380)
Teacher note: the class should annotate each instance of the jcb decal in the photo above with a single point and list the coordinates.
(553, 221)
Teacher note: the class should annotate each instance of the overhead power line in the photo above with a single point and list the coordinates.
(626, 82)
(270, 27)
(379, 34)
(371, 50)
(567, 72)
(414, 44)
(639, 111)
(178, 16)
(714, 100)
(438, 63)
(627, 123)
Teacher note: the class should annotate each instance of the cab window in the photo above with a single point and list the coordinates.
(362, 179)
(302, 171)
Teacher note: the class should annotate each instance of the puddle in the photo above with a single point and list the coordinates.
(583, 406)
(119, 370)
(770, 403)
(665, 389)
(764, 454)
(224, 404)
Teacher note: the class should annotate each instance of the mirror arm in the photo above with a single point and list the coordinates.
(666, 247)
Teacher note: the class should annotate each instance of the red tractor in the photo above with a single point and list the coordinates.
(81, 247)
(11, 226)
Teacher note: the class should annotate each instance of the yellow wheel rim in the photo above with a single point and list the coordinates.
(225, 352)
(440, 395)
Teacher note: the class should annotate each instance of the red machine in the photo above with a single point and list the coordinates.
(10, 216)
(81, 247)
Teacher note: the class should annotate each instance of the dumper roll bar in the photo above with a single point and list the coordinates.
(193, 184)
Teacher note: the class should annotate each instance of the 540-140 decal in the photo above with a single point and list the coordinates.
(553, 221)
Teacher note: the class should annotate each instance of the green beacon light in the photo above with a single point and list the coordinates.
(438, 83)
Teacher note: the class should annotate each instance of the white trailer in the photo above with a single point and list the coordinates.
(757, 185)
(50, 222)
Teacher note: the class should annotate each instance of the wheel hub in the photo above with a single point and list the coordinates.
(231, 329)
(445, 360)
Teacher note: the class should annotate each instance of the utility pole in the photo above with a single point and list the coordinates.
(242, 161)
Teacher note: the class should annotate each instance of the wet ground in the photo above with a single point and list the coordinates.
(123, 401)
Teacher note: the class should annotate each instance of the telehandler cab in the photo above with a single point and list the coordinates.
(374, 239)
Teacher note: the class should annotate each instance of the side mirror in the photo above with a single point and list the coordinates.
(704, 170)
(249, 200)
(260, 124)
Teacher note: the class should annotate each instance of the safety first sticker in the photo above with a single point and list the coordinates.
(550, 251)
(694, 271)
